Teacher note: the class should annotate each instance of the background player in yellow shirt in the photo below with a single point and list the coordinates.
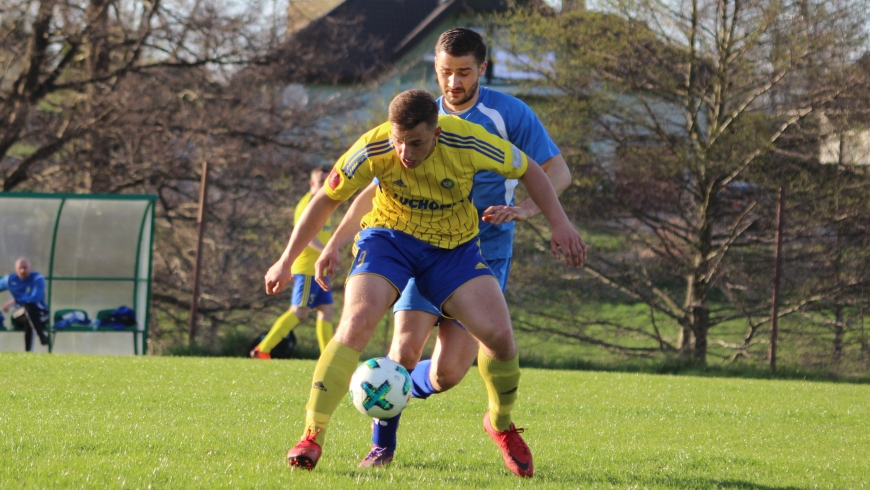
(423, 225)
(307, 294)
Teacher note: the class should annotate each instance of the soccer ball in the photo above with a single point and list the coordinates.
(380, 388)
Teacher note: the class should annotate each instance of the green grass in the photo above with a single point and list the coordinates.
(175, 422)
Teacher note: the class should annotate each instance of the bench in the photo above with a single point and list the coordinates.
(99, 324)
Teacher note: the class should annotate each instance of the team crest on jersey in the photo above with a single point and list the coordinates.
(334, 179)
(399, 183)
(447, 184)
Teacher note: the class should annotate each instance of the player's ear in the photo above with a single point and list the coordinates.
(482, 70)
(437, 132)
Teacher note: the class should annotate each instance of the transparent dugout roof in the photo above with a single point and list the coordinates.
(94, 250)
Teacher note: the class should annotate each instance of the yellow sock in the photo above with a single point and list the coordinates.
(329, 385)
(502, 379)
(279, 330)
(324, 333)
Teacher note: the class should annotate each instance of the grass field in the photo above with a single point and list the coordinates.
(175, 422)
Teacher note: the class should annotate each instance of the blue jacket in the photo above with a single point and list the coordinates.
(30, 290)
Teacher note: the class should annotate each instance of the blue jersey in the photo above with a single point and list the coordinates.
(506, 116)
(30, 290)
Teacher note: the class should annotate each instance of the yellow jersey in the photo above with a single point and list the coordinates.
(432, 202)
(304, 264)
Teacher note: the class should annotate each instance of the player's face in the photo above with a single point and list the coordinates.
(22, 268)
(459, 79)
(317, 180)
(413, 146)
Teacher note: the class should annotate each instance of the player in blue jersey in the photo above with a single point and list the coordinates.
(27, 288)
(460, 56)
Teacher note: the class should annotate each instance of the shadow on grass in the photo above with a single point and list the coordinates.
(709, 483)
(700, 482)
(673, 366)
(560, 477)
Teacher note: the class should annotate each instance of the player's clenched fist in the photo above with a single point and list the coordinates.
(277, 277)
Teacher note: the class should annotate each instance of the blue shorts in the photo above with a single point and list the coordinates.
(398, 257)
(307, 293)
(412, 299)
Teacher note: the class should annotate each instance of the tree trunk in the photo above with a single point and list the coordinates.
(865, 346)
(100, 144)
(701, 320)
(686, 342)
(839, 333)
(698, 289)
(693, 339)
(15, 109)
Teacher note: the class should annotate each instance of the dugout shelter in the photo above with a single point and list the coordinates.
(95, 253)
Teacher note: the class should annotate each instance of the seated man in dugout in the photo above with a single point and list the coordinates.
(28, 299)
(419, 157)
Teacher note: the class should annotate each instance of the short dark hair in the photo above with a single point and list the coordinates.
(411, 107)
(461, 41)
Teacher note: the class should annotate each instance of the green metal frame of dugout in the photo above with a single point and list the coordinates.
(95, 253)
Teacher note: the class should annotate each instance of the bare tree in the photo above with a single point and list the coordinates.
(117, 96)
(685, 110)
(64, 68)
(830, 234)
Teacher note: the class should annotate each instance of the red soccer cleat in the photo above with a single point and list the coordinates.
(306, 453)
(514, 449)
(256, 354)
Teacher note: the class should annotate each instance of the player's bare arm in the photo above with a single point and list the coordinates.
(347, 229)
(560, 177)
(565, 240)
(311, 222)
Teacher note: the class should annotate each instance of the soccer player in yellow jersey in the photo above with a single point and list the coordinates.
(307, 293)
(424, 226)
(460, 63)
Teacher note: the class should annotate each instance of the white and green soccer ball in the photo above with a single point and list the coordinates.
(380, 388)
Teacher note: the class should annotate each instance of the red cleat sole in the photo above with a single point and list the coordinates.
(302, 462)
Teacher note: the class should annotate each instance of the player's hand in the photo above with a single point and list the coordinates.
(568, 242)
(325, 266)
(8, 305)
(497, 215)
(277, 277)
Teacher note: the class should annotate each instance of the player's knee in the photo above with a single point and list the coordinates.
(406, 356)
(301, 312)
(448, 377)
(326, 313)
(496, 337)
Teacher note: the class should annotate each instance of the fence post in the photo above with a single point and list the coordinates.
(200, 229)
(777, 278)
